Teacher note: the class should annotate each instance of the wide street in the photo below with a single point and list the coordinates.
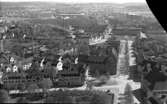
(116, 84)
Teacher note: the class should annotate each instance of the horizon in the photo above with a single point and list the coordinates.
(80, 1)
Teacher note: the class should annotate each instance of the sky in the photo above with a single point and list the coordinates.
(82, 1)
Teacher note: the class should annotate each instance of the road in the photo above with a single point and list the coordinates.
(124, 60)
(116, 84)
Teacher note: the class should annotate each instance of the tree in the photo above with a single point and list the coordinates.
(60, 98)
(45, 84)
(31, 88)
(4, 96)
(128, 95)
(21, 86)
(89, 85)
(22, 100)
(97, 99)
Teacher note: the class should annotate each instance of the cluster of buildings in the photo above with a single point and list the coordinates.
(64, 74)
(150, 68)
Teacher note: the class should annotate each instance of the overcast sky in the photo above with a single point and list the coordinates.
(83, 1)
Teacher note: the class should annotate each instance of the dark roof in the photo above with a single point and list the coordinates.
(83, 58)
(139, 94)
(155, 77)
(161, 86)
(126, 31)
(113, 43)
(52, 57)
(97, 29)
(96, 58)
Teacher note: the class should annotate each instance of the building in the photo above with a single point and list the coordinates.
(103, 64)
(72, 76)
(122, 32)
(68, 77)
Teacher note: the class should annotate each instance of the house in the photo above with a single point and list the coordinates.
(103, 64)
(74, 75)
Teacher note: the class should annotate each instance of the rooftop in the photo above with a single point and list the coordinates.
(160, 86)
(126, 31)
(96, 58)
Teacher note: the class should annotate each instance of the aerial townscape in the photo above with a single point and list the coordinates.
(90, 53)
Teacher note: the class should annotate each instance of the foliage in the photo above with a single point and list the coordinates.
(22, 100)
(78, 96)
(60, 98)
(45, 83)
(21, 86)
(4, 96)
(32, 87)
(97, 99)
